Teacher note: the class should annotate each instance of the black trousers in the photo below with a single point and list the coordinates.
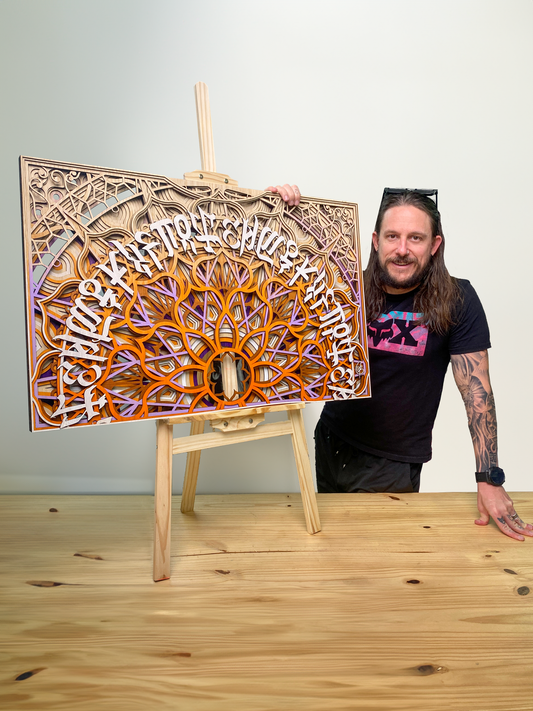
(342, 469)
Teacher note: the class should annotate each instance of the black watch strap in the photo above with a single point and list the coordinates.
(494, 476)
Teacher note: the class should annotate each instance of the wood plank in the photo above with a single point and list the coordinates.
(191, 471)
(197, 177)
(205, 128)
(219, 439)
(261, 615)
(248, 422)
(162, 500)
(305, 476)
(235, 412)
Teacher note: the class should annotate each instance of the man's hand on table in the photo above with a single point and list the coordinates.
(289, 193)
(495, 502)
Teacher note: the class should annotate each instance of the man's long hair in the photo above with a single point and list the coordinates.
(439, 294)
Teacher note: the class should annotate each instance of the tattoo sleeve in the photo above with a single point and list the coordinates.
(471, 373)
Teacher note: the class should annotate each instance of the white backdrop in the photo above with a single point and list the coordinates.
(340, 97)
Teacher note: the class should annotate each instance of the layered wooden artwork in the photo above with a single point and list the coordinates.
(153, 297)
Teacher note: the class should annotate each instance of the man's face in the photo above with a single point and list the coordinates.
(404, 248)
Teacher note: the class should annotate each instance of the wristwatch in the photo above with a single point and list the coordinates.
(494, 476)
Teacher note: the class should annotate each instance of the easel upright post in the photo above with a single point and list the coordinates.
(205, 128)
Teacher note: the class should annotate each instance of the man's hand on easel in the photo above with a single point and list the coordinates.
(289, 193)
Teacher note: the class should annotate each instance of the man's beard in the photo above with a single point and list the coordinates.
(418, 276)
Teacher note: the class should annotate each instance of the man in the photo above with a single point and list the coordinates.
(419, 318)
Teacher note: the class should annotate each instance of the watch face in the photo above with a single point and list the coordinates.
(496, 476)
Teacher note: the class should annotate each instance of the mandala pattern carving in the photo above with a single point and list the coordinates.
(153, 297)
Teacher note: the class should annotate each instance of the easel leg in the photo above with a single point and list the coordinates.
(305, 476)
(163, 501)
(191, 471)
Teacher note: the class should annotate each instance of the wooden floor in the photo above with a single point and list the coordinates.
(400, 603)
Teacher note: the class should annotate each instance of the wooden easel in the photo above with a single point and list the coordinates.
(233, 426)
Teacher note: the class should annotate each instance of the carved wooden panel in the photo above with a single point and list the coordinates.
(153, 297)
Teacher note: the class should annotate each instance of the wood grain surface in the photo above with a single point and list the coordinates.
(400, 603)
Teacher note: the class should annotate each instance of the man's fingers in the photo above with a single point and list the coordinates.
(483, 521)
(505, 528)
(296, 191)
(511, 524)
(281, 189)
(289, 193)
(484, 517)
(516, 524)
(494, 502)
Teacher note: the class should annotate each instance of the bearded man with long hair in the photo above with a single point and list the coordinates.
(419, 320)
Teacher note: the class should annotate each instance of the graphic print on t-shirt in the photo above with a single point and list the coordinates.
(398, 332)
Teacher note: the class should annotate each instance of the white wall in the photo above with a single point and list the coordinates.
(341, 97)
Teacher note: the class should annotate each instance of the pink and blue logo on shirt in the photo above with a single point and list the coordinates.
(398, 332)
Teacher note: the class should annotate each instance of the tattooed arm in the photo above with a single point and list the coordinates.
(471, 373)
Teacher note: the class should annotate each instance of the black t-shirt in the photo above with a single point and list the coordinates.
(407, 368)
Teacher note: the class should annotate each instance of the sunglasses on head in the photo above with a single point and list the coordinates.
(401, 191)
